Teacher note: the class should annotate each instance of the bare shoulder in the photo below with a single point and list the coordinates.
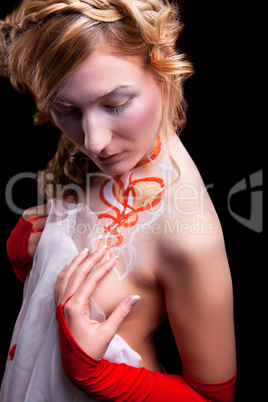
(191, 229)
(192, 267)
(192, 244)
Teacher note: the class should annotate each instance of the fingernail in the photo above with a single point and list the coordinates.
(134, 300)
(84, 251)
(102, 248)
(114, 258)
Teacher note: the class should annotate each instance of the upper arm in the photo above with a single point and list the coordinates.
(195, 275)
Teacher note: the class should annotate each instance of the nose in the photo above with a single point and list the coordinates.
(97, 133)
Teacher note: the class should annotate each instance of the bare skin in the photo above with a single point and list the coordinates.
(40, 214)
(188, 270)
(183, 272)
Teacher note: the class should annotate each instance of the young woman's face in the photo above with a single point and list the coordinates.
(111, 109)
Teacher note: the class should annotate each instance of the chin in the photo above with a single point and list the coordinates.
(125, 165)
(115, 169)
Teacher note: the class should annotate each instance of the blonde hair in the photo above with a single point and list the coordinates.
(43, 41)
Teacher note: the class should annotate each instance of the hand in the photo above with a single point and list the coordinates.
(38, 217)
(74, 286)
(24, 238)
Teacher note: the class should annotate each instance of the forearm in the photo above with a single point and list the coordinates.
(119, 382)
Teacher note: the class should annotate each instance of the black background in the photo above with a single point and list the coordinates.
(223, 136)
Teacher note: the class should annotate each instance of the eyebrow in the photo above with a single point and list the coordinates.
(113, 91)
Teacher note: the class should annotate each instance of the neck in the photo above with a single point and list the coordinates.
(144, 181)
(153, 153)
(149, 166)
(133, 193)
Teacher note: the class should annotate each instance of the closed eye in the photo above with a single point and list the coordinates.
(66, 111)
(117, 108)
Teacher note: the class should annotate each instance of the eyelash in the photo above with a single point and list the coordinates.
(110, 109)
(116, 109)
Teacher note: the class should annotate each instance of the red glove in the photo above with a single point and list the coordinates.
(119, 382)
(17, 247)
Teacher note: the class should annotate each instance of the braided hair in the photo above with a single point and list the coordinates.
(43, 41)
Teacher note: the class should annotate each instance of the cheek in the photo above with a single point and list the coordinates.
(146, 117)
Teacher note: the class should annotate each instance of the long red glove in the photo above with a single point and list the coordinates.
(17, 247)
(119, 382)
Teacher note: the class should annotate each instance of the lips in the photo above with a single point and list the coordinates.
(111, 158)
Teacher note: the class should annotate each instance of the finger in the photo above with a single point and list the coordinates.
(37, 211)
(65, 276)
(57, 286)
(33, 243)
(119, 315)
(39, 222)
(79, 268)
(90, 282)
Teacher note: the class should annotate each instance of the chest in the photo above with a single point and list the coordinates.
(122, 215)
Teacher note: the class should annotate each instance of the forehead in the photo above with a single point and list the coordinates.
(101, 73)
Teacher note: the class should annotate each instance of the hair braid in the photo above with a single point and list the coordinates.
(43, 41)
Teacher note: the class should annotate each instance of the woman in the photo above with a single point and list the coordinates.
(107, 74)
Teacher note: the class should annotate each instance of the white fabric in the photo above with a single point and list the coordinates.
(35, 374)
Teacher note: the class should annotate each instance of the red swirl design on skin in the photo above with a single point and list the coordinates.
(127, 216)
(152, 155)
